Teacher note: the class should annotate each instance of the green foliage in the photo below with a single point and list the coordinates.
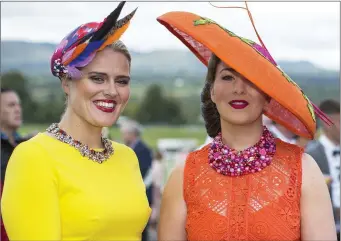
(46, 110)
(16, 81)
(50, 110)
(131, 108)
(43, 102)
(191, 106)
(156, 108)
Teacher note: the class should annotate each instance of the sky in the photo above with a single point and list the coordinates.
(291, 30)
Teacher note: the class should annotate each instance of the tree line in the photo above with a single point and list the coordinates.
(156, 105)
(154, 108)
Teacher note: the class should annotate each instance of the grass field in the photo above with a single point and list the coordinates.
(150, 133)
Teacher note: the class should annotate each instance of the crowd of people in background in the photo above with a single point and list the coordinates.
(325, 149)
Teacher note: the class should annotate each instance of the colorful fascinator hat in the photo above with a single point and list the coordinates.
(79, 47)
(289, 106)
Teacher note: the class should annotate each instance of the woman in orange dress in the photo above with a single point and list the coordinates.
(245, 184)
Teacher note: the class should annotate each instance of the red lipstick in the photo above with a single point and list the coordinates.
(239, 104)
(107, 106)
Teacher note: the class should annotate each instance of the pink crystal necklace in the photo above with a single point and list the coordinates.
(230, 162)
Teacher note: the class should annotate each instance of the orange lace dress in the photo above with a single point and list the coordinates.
(261, 206)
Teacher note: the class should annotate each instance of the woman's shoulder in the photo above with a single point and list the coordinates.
(288, 153)
(280, 144)
(124, 152)
(201, 151)
(196, 157)
(42, 145)
(31, 154)
(122, 148)
(32, 145)
(310, 169)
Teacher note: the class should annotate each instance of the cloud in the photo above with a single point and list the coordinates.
(291, 30)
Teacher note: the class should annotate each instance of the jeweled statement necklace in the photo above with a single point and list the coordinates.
(96, 156)
(230, 162)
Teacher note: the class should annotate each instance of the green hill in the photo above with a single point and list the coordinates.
(33, 59)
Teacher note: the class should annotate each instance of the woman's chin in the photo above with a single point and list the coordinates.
(103, 121)
(238, 120)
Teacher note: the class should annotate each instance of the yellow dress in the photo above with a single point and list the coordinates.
(51, 192)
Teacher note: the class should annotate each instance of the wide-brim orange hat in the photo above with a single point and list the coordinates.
(289, 106)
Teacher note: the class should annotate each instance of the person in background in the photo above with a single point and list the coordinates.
(301, 141)
(157, 182)
(131, 134)
(10, 122)
(156, 177)
(326, 151)
(70, 182)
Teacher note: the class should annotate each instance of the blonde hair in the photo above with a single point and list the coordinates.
(119, 46)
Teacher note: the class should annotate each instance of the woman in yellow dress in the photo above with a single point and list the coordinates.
(70, 183)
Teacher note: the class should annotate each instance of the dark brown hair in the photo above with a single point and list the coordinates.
(330, 106)
(209, 109)
(6, 90)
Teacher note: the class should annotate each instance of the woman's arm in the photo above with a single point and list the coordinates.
(173, 209)
(317, 222)
(30, 205)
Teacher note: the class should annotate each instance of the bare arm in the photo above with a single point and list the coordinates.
(173, 209)
(317, 222)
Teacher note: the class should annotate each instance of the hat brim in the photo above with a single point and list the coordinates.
(288, 106)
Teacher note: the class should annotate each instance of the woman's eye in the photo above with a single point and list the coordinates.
(97, 79)
(228, 77)
(122, 81)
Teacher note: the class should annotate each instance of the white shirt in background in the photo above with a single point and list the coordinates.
(334, 167)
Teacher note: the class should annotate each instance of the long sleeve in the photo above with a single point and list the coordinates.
(30, 205)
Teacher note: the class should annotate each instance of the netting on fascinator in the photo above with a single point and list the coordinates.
(79, 47)
(289, 106)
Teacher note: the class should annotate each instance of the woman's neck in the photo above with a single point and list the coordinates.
(81, 130)
(240, 137)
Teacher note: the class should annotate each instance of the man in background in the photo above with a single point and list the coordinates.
(11, 120)
(326, 151)
(131, 135)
